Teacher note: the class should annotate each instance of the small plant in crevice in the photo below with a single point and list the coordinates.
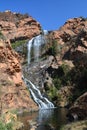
(21, 47)
(2, 36)
(57, 83)
(18, 43)
(54, 48)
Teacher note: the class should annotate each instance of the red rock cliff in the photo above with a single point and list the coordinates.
(15, 26)
(13, 92)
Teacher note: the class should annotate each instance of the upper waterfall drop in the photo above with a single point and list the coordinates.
(34, 47)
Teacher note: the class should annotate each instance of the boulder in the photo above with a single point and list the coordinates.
(79, 108)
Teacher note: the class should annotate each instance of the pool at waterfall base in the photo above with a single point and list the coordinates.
(44, 119)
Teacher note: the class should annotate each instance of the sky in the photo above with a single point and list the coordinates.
(51, 14)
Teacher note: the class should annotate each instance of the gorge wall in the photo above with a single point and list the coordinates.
(13, 92)
(68, 69)
(15, 26)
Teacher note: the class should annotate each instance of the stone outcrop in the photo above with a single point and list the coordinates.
(69, 62)
(15, 26)
(72, 36)
(78, 125)
(79, 108)
(13, 92)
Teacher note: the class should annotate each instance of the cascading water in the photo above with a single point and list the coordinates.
(42, 101)
(34, 52)
(34, 48)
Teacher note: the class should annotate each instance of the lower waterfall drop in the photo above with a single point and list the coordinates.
(42, 101)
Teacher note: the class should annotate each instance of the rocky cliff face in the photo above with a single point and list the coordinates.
(15, 26)
(79, 108)
(13, 92)
(72, 32)
(68, 68)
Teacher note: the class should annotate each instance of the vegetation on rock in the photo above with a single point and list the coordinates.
(80, 125)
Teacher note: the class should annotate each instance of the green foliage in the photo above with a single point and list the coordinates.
(64, 78)
(7, 126)
(79, 75)
(76, 77)
(18, 43)
(57, 82)
(21, 47)
(65, 68)
(53, 47)
(1, 35)
(2, 126)
(52, 93)
(53, 50)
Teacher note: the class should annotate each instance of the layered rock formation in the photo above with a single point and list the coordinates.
(73, 32)
(15, 26)
(13, 92)
(68, 68)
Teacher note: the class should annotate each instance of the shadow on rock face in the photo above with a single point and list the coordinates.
(45, 127)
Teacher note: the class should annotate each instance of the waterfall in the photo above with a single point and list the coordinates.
(42, 101)
(34, 52)
(34, 47)
(29, 49)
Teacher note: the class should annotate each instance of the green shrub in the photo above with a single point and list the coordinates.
(52, 93)
(1, 35)
(7, 126)
(2, 126)
(18, 43)
(57, 83)
(62, 77)
(53, 49)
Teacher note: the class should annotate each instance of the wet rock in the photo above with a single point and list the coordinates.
(79, 108)
(45, 126)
